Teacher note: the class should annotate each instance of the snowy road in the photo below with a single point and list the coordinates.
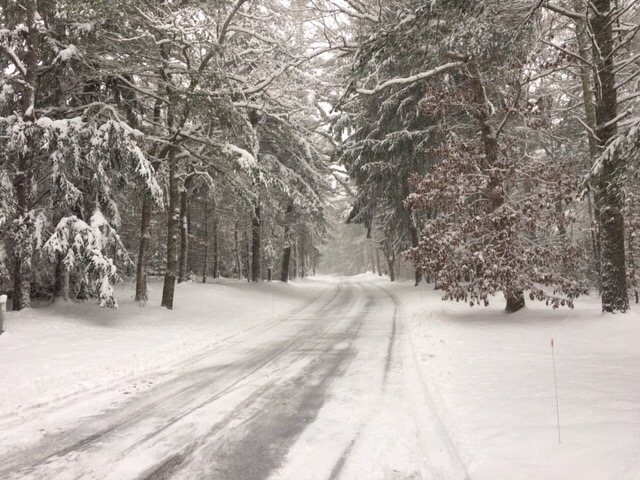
(329, 392)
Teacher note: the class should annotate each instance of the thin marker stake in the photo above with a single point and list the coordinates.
(555, 383)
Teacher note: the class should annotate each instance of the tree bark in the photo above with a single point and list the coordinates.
(414, 234)
(582, 33)
(173, 233)
(143, 249)
(615, 295)
(184, 237)
(61, 290)
(303, 259)
(256, 245)
(145, 219)
(216, 246)
(205, 263)
(238, 255)
(295, 260)
(286, 264)
(247, 251)
(515, 301)
(24, 249)
(185, 223)
(286, 255)
(392, 267)
(375, 255)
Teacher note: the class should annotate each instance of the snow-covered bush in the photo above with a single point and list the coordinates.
(84, 247)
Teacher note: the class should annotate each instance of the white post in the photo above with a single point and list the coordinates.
(3, 311)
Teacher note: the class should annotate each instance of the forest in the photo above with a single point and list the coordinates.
(488, 147)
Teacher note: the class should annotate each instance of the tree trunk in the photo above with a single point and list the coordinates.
(286, 255)
(238, 255)
(378, 266)
(23, 248)
(286, 264)
(216, 247)
(515, 301)
(184, 237)
(582, 33)
(364, 258)
(491, 151)
(256, 245)
(206, 240)
(143, 250)
(615, 296)
(145, 219)
(185, 228)
(414, 234)
(303, 260)
(247, 251)
(295, 260)
(173, 232)
(62, 280)
(392, 268)
(391, 259)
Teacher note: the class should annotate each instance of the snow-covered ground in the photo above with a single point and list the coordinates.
(55, 351)
(470, 388)
(491, 377)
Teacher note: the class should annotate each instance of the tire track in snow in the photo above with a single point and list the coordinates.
(444, 434)
(337, 468)
(256, 362)
(44, 453)
(274, 426)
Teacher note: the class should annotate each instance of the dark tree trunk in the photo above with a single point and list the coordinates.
(415, 240)
(582, 32)
(391, 259)
(184, 237)
(364, 258)
(173, 233)
(378, 266)
(22, 185)
(145, 221)
(61, 290)
(286, 263)
(185, 228)
(205, 263)
(295, 260)
(286, 255)
(256, 245)
(303, 260)
(615, 296)
(143, 250)
(515, 302)
(392, 268)
(269, 274)
(238, 255)
(23, 249)
(216, 246)
(414, 234)
(247, 251)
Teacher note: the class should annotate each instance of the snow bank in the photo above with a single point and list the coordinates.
(491, 376)
(52, 352)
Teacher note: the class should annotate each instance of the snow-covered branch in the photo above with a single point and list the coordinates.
(447, 67)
